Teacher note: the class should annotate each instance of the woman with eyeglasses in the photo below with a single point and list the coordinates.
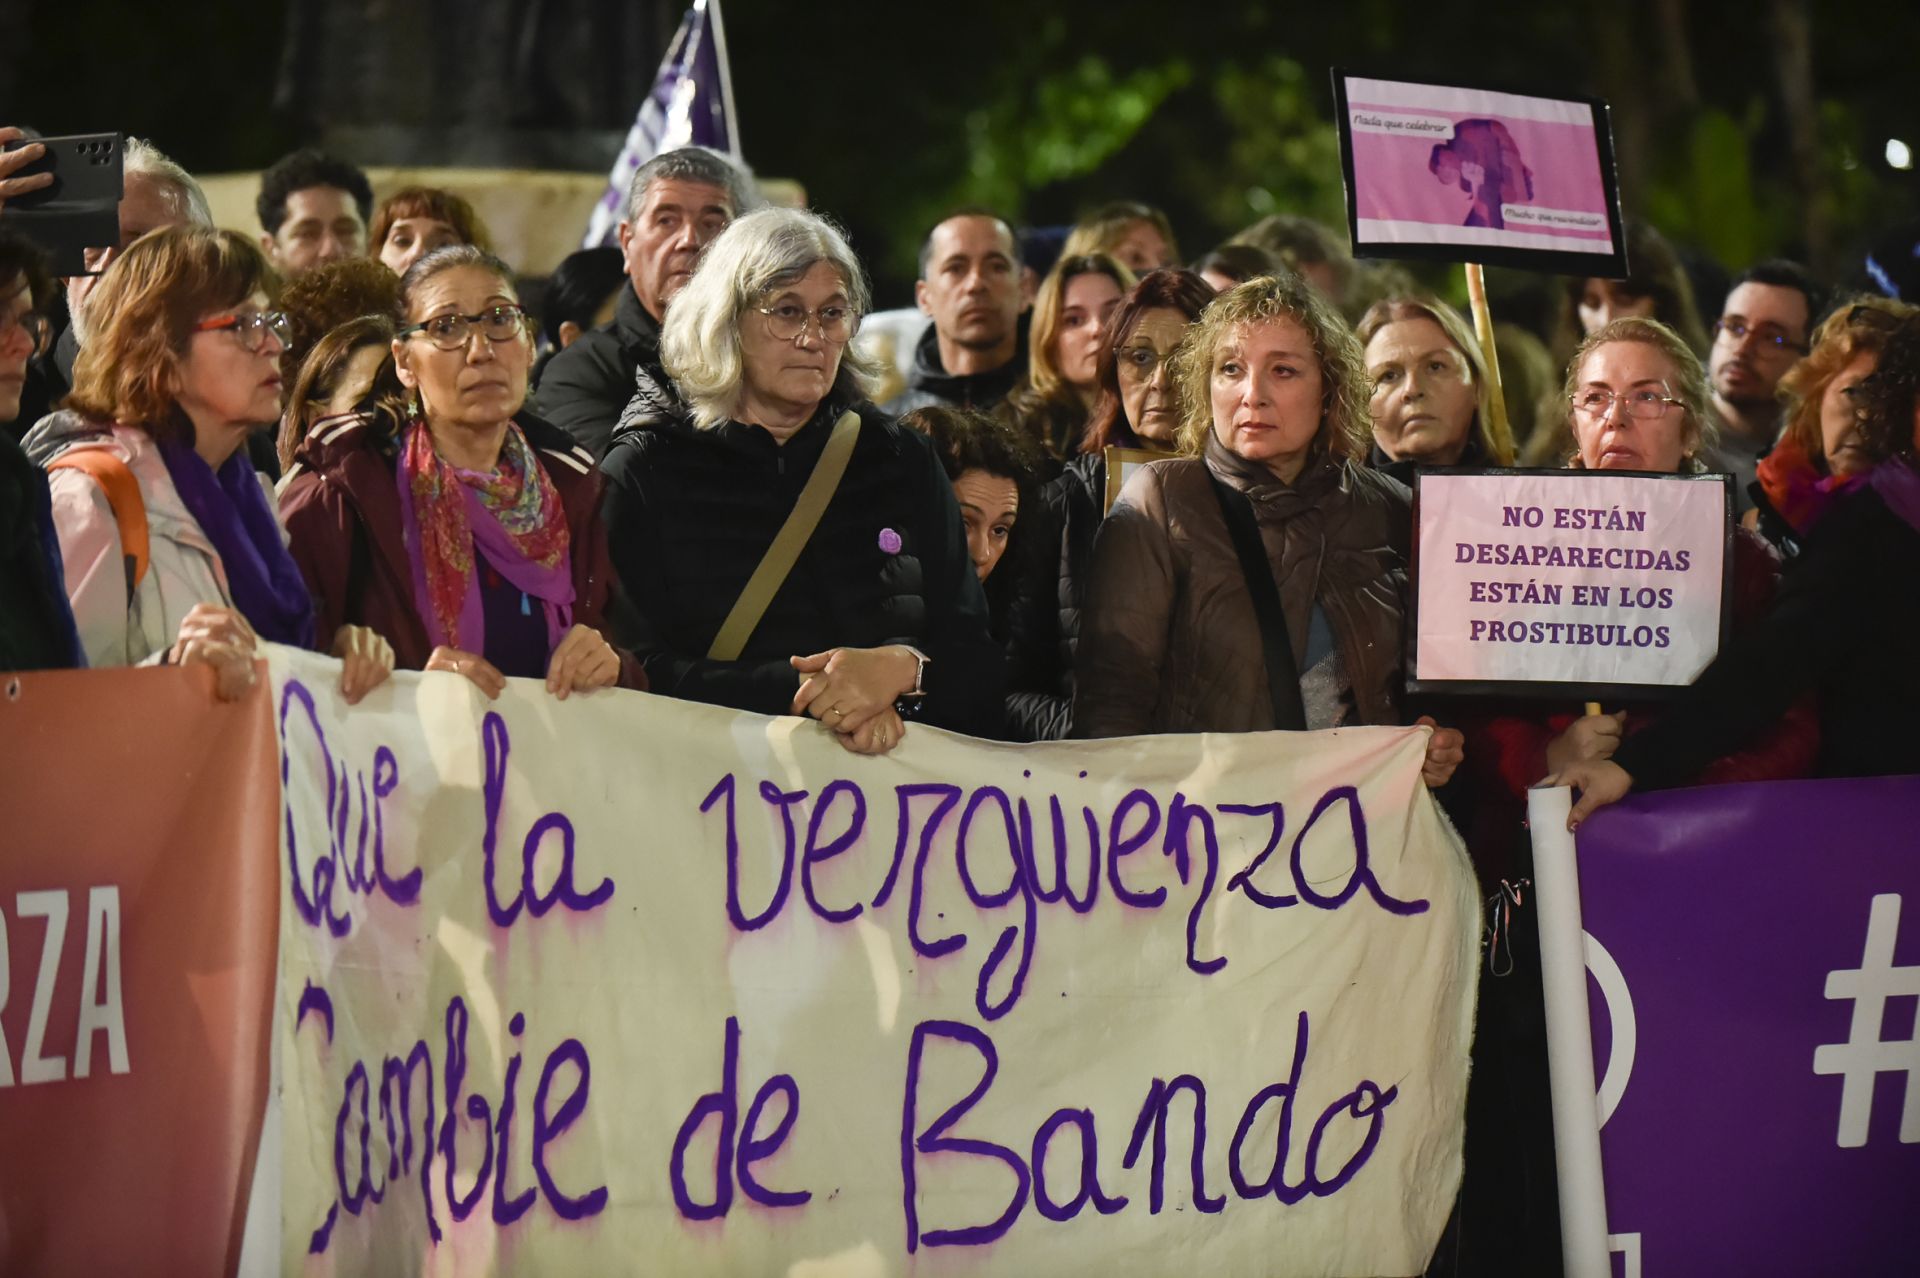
(868, 612)
(1842, 626)
(172, 552)
(1637, 399)
(453, 521)
(1134, 408)
(1820, 456)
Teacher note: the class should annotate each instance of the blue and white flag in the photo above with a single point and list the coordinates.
(691, 105)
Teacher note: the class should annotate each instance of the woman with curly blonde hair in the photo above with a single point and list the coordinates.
(1269, 536)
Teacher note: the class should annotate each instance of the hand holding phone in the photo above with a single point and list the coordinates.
(15, 160)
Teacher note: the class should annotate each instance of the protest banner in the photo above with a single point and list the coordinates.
(626, 981)
(137, 943)
(1556, 583)
(1446, 171)
(1752, 958)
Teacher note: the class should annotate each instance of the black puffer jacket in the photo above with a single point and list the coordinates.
(691, 512)
(583, 389)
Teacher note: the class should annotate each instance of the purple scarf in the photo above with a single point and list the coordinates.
(231, 508)
(553, 587)
(1899, 486)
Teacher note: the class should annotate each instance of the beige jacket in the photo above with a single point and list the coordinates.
(183, 569)
(1170, 641)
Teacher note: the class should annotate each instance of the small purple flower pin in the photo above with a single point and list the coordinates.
(890, 541)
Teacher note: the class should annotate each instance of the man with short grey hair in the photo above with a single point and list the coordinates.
(678, 202)
(156, 192)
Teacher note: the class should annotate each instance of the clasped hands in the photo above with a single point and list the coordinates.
(852, 691)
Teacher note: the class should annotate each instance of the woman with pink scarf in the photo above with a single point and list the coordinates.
(457, 524)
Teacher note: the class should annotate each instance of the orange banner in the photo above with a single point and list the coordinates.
(138, 919)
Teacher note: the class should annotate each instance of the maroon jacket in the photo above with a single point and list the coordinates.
(341, 507)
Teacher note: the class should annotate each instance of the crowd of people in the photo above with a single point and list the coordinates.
(1103, 494)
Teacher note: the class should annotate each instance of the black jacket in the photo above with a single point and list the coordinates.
(1844, 623)
(584, 387)
(691, 512)
(1474, 455)
(929, 382)
(36, 626)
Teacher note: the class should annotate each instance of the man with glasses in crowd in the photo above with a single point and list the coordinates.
(1761, 332)
(677, 203)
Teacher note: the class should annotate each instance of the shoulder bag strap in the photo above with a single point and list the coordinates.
(1283, 675)
(788, 542)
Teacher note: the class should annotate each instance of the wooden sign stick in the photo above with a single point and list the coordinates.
(1499, 433)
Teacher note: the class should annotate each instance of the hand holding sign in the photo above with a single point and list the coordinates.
(1593, 736)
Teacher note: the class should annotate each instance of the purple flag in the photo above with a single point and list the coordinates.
(1753, 957)
(691, 105)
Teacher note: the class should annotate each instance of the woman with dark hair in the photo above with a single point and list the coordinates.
(1819, 457)
(416, 220)
(347, 372)
(1842, 626)
(1070, 314)
(867, 612)
(171, 549)
(36, 625)
(995, 471)
(328, 296)
(455, 522)
(1135, 410)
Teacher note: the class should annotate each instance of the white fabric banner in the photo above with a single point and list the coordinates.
(1568, 577)
(627, 984)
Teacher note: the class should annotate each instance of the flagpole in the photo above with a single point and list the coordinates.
(734, 148)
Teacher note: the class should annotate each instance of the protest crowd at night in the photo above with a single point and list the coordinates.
(1086, 483)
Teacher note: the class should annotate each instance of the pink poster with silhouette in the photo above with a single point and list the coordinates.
(1476, 174)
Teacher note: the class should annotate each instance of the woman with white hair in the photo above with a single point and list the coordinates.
(789, 548)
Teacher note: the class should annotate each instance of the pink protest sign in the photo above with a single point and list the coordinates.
(1457, 173)
(1567, 583)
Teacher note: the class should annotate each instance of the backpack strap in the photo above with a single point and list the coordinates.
(1283, 675)
(123, 498)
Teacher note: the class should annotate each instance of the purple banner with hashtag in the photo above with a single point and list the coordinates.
(1753, 964)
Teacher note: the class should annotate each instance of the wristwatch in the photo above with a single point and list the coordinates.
(908, 703)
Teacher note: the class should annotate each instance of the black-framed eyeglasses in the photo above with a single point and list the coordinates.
(503, 323)
(1766, 335)
(251, 330)
(37, 327)
(1646, 403)
(786, 321)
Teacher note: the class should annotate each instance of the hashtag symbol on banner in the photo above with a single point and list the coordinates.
(1865, 1054)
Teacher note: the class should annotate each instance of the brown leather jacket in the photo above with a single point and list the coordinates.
(1170, 642)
